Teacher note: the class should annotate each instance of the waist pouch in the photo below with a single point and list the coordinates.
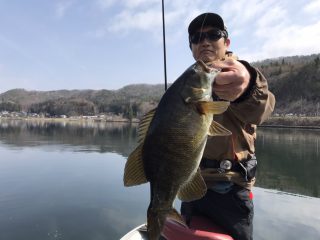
(248, 168)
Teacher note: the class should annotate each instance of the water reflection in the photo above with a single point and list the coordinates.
(289, 160)
(279, 215)
(66, 195)
(76, 135)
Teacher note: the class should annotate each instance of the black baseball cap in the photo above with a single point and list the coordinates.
(206, 19)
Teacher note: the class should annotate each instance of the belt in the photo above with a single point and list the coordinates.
(222, 165)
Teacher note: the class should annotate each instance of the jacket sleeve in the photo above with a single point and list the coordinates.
(257, 103)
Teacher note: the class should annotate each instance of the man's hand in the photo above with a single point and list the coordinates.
(232, 81)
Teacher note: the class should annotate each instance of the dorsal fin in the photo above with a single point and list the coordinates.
(144, 125)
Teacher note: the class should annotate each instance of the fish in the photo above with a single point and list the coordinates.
(171, 141)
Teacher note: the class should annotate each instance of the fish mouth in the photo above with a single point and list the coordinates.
(201, 66)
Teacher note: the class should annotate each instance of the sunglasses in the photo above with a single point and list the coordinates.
(212, 35)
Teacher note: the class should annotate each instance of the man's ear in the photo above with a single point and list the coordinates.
(227, 42)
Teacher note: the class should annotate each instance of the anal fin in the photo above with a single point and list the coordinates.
(194, 189)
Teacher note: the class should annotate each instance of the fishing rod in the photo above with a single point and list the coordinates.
(164, 48)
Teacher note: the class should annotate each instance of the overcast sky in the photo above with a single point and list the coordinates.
(107, 44)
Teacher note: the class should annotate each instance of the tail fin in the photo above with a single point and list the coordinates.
(156, 220)
(174, 215)
(155, 223)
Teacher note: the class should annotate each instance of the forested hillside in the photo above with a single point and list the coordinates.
(295, 81)
(129, 101)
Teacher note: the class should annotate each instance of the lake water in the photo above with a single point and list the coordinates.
(64, 181)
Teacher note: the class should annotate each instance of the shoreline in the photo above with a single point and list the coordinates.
(299, 122)
(95, 120)
(272, 122)
(285, 126)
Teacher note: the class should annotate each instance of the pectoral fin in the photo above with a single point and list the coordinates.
(134, 170)
(216, 129)
(216, 107)
(195, 189)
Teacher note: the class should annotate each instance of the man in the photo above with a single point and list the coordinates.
(228, 164)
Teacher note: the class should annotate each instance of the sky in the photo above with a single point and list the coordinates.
(107, 44)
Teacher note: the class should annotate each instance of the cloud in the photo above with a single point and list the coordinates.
(131, 4)
(312, 7)
(146, 15)
(295, 40)
(274, 17)
(104, 4)
(260, 28)
(143, 20)
(239, 14)
(272, 28)
(62, 7)
(291, 40)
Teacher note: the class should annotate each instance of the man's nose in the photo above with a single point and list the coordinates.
(205, 42)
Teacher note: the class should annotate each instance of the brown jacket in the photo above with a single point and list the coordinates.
(241, 118)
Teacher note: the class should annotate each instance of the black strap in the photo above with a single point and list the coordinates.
(209, 163)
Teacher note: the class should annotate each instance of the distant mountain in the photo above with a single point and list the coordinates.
(132, 99)
(295, 81)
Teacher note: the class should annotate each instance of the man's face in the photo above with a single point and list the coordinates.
(209, 50)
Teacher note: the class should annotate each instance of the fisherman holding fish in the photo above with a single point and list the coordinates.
(228, 163)
(198, 144)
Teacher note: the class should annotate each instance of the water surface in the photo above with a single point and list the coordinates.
(64, 181)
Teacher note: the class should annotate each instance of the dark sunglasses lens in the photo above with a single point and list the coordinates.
(214, 35)
(197, 37)
(200, 36)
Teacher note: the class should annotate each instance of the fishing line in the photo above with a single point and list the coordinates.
(204, 20)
